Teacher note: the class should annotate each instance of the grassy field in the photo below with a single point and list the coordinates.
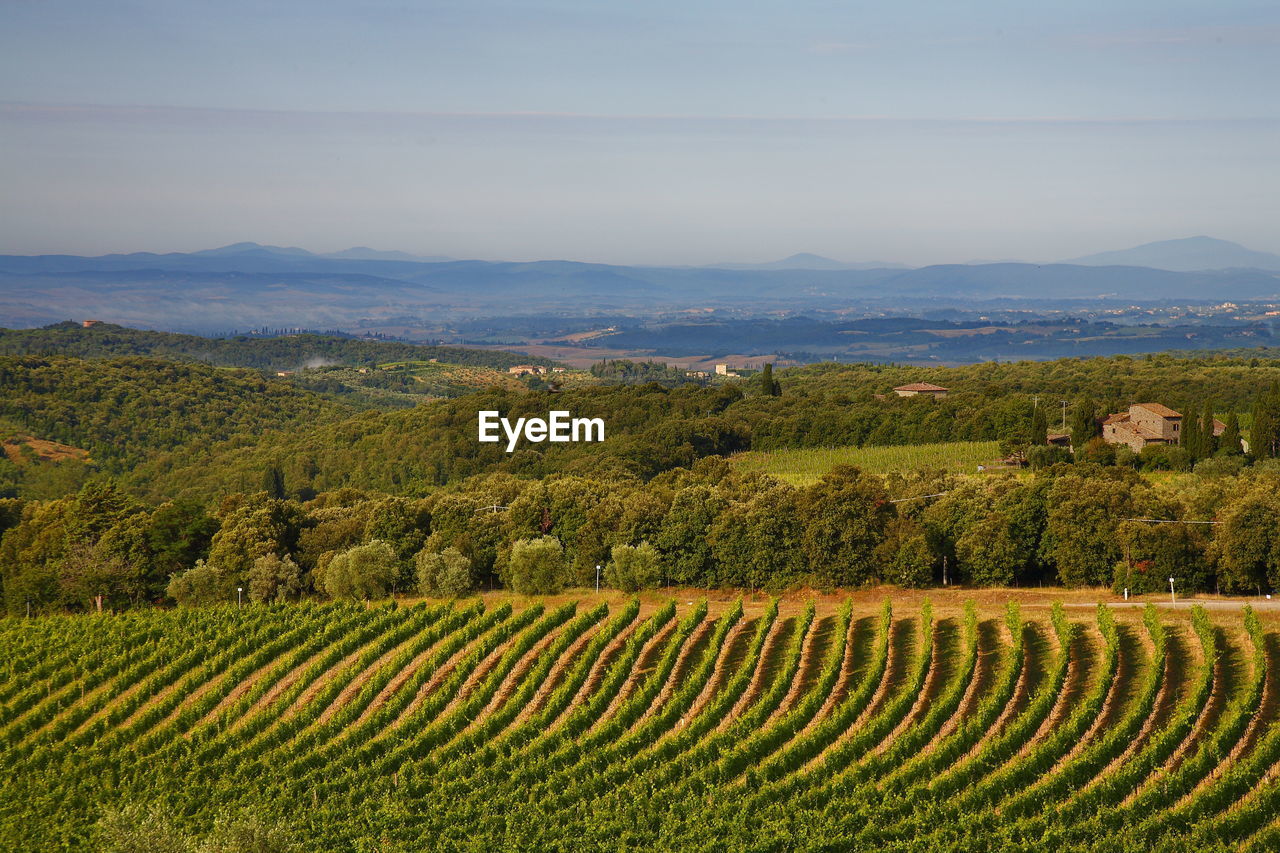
(838, 723)
(802, 467)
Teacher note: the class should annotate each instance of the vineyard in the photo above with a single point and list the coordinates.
(725, 726)
(804, 466)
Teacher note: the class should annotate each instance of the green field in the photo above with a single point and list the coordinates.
(779, 726)
(802, 467)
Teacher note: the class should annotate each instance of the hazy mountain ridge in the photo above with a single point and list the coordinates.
(1189, 254)
(246, 285)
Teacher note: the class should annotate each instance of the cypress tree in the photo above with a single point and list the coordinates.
(1262, 433)
(768, 385)
(273, 483)
(1084, 423)
(1190, 440)
(1230, 441)
(1039, 426)
(1208, 441)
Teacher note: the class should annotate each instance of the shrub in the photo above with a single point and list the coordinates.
(199, 586)
(272, 578)
(537, 567)
(912, 563)
(444, 573)
(1165, 457)
(363, 572)
(633, 567)
(1046, 456)
(1220, 466)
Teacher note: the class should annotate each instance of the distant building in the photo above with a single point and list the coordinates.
(527, 370)
(697, 374)
(722, 370)
(557, 370)
(1059, 439)
(1143, 425)
(284, 373)
(921, 389)
(89, 324)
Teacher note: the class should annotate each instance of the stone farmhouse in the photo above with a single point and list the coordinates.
(1146, 424)
(1143, 425)
(921, 389)
(527, 370)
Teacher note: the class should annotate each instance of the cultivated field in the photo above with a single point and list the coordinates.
(841, 724)
(802, 467)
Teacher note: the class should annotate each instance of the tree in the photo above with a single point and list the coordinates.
(537, 567)
(682, 535)
(1190, 439)
(843, 518)
(251, 528)
(273, 578)
(179, 534)
(633, 567)
(1046, 456)
(1098, 451)
(756, 541)
(1084, 422)
(1208, 441)
(446, 573)
(1248, 543)
(989, 554)
(1229, 442)
(769, 386)
(363, 572)
(273, 483)
(1080, 527)
(198, 586)
(401, 524)
(1039, 426)
(904, 555)
(1264, 434)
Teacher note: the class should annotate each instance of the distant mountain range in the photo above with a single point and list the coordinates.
(1189, 254)
(807, 261)
(247, 285)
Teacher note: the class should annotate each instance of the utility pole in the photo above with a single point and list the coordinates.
(239, 598)
(1173, 598)
(944, 570)
(597, 578)
(1064, 414)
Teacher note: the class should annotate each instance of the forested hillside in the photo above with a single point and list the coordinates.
(124, 411)
(199, 480)
(286, 352)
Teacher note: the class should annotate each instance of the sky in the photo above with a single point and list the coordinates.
(689, 132)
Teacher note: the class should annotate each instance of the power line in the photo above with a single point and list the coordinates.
(1169, 521)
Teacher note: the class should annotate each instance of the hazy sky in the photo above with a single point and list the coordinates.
(656, 132)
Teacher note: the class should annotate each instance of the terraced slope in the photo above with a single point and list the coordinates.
(691, 728)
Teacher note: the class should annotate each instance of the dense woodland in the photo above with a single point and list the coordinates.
(202, 479)
(1077, 524)
(285, 352)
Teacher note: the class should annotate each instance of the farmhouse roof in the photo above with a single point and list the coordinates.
(1117, 418)
(1157, 409)
(920, 386)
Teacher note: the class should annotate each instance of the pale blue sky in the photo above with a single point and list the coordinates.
(653, 133)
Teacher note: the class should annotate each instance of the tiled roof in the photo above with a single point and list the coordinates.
(1157, 409)
(920, 386)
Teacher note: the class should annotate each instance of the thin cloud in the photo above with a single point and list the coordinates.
(134, 112)
(1237, 36)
